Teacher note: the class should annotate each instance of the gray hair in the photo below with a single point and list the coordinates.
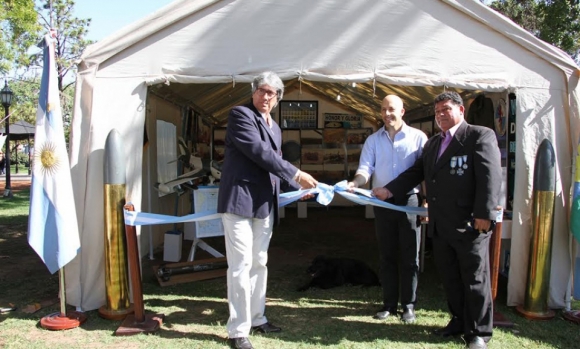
(452, 96)
(269, 78)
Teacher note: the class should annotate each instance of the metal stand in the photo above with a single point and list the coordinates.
(63, 320)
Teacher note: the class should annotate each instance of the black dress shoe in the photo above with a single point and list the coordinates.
(385, 313)
(453, 328)
(266, 328)
(240, 343)
(476, 343)
(408, 316)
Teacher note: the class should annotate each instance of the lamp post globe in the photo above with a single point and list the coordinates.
(6, 96)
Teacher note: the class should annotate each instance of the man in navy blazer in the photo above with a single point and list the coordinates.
(462, 172)
(253, 173)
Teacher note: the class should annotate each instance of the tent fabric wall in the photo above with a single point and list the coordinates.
(85, 275)
(531, 130)
(448, 43)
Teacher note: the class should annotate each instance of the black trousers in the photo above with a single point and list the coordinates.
(398, 237)
(463, 264)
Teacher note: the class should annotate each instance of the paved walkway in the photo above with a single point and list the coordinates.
(21, 176)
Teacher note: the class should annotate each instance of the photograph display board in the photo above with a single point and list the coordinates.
(330, 153)
(299, 114)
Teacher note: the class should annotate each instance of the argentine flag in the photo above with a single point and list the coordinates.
(52, 225)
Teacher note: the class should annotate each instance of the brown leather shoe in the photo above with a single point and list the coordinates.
(240, 343)
(266, 328)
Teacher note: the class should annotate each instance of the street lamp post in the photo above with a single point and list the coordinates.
(6, 95)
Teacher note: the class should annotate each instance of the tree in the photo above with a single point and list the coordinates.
(18, 31)
(561, 24)
(555, 21)
(26, 99)
(70, 37)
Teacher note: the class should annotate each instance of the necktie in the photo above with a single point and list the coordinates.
(444, 143)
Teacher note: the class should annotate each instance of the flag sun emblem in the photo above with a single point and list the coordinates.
(47, 158)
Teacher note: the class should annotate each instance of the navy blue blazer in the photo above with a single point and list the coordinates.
(253, 170)
(454, 198)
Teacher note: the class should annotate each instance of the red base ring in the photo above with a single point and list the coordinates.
(57, 322)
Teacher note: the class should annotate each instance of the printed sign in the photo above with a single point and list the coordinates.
(334, 120)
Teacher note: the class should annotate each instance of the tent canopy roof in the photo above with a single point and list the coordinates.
(221, 44)
(213, 101)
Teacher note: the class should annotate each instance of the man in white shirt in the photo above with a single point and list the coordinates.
(386, 154)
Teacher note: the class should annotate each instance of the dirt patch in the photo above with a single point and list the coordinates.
(19, 184)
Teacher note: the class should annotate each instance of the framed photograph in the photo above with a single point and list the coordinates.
(334, 135)
(299, 114)
(333, 156)
(311, 156)
(358, 136)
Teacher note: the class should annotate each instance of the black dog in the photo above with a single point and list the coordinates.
(333, 272)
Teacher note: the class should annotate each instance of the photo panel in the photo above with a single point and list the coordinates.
(334, 135)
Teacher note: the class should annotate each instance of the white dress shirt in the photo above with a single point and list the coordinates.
(384, 158)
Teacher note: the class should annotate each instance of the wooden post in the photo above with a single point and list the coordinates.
(499, 320)
(139, 322)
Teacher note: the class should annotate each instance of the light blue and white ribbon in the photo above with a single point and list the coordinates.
(325, 195)
(360, 196)
(142, 218)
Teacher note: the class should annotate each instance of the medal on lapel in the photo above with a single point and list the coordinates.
(452, 164)
(459, 165)
(465, 162)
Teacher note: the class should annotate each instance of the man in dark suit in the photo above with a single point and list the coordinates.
(462, 172)
(252, 174)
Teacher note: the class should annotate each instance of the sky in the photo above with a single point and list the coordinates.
(109, 16)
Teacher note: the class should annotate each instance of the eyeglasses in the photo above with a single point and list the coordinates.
(267, 93)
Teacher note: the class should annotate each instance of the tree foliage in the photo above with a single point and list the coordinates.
(70, 37)
(18, 31)
(555, 21)
(18, 39)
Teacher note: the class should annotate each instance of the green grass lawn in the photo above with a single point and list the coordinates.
(15, 210)
(196, 312)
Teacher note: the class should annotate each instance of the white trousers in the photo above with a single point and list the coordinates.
(247, 241)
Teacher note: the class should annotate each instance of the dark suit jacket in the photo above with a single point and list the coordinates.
(253, 166)
(452, 198)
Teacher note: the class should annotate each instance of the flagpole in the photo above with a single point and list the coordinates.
(62, 320)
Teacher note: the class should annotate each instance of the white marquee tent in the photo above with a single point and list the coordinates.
(416, 45)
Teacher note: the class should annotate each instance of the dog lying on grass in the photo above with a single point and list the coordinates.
(332, 272)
